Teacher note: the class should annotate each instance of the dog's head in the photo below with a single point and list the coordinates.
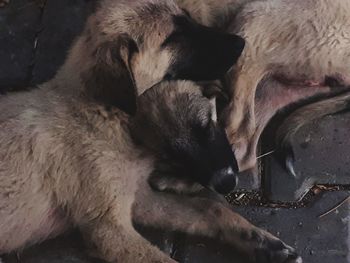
(178, 124)
(128, 46)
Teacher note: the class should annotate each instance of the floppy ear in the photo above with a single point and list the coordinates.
(109, 80)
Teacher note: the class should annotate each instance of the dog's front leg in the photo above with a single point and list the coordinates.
(202, 216)
(115, 242)
(102, 212)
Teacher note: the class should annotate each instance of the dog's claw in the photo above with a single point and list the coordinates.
(286, 159)
(289, 165)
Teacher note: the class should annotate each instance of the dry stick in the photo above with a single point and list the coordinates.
(336, 207)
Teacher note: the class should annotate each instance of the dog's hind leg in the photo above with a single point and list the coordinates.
(301, 117)
(204, 217)
(239, 116)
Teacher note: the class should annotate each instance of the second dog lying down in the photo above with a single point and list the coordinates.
(66, 161)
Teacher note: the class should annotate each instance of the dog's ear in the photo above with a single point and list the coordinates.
(213, 90)
(110, 79)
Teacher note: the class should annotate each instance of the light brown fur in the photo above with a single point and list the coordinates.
(69, 162)
(292, 46)
(309, 43)
(211, 12)
(67, 158)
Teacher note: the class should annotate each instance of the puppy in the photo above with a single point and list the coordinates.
(68, 156)
(66, 161)
(136, 44)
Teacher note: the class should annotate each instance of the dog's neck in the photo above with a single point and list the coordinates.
(68, 78)
(69, 85)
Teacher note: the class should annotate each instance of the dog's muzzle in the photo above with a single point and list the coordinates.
(224, 181)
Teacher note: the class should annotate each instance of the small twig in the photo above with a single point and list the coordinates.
(240, 197)
(335, 208)
(265, 154)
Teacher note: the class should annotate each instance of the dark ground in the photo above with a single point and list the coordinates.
(34, 38)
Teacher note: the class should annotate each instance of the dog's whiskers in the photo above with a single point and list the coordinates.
(265, 154)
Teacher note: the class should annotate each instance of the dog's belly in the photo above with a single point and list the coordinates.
(24, 230)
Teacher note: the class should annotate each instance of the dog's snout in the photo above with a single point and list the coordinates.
(224, 180)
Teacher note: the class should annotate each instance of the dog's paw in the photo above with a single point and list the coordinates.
(2, 4)
(263, 247)
(273, 250)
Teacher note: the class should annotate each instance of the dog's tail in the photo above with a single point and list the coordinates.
(302, 116)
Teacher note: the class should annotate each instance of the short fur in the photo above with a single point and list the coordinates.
(67, 162)
(139, 43)
(211, 12)
(67, 157)
(295, 49)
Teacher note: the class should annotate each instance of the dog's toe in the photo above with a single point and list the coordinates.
(275, 251)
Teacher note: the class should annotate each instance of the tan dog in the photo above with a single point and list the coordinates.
(70, 157)
(294, 50)
(136, 44)
(66, 161)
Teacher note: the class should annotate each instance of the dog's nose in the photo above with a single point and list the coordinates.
(224, 180)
